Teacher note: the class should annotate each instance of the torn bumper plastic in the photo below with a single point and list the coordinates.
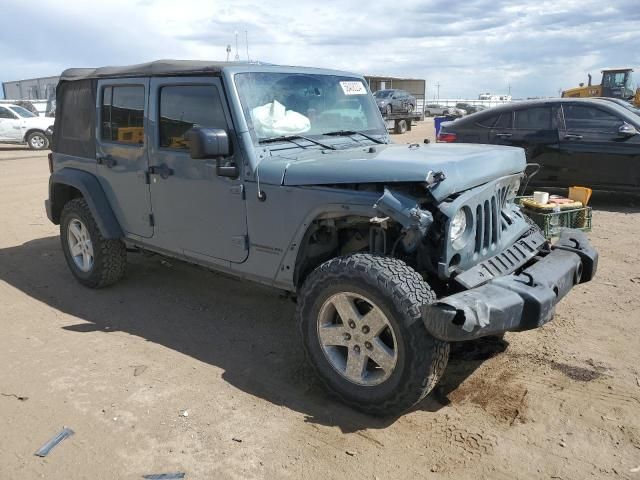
(515, 302)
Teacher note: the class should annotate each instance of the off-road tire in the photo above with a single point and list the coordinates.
(110, 256)
(399, 291)
(43, 144)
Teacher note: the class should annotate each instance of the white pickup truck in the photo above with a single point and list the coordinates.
(19, 125)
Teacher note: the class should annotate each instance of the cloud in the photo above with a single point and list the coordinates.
(534, 46)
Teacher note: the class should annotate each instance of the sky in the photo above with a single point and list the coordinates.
(535, 47)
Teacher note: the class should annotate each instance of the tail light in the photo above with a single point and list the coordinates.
(50, 157)
(447, 137)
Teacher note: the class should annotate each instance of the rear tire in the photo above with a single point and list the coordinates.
(37, 141)
(96, 262)
(384, 295)
(401, 126)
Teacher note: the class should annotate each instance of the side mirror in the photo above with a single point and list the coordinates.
(212, 143)
(207, 142)
(627, 130)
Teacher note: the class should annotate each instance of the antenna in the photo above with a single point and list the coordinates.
(228, 52)
(237, 57)
(246, 41)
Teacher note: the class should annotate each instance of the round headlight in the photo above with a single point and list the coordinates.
(458, 225)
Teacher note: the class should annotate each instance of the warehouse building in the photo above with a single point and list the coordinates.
(31, 89)
(415, 86)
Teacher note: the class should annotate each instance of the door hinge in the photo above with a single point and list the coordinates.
(241, 241)
(152, 220)
(238, 190)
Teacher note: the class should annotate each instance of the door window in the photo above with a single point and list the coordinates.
(504, 122)
(6, 113)
(123, 114)
(185, 106)
(538, 118)
(489, 122)
(581, 117)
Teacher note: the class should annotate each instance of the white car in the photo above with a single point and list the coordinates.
(19, 125)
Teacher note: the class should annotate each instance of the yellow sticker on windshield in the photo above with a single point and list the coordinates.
(353, 88)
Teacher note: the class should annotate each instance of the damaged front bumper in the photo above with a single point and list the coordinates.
(518, 301)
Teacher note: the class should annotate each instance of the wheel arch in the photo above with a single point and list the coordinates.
(33, 130)
(69, 183)
(304, 255)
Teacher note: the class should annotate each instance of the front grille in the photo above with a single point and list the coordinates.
(491, 221)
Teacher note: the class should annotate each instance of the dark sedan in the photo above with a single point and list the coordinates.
(393, 100)
(594, 143)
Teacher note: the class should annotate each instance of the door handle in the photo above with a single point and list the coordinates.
(571, 136)
(107, 160)
(504, 135)
(163, 170)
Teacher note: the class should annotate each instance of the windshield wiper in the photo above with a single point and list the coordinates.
(292, 138)
(348, 133)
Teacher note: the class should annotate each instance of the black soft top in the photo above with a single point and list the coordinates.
(151, 69)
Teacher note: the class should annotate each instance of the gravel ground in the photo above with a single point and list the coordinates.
(180, 369)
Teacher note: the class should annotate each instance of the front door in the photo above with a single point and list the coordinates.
(195, 211)
(10, 126)
(121, 152)
(590, 141)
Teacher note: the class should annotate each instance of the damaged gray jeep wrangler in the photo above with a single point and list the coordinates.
(286, 176)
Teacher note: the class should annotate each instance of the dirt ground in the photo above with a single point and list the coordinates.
(180, 369)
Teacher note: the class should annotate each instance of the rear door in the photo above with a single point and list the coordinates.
(10, 126)
(196, 211)
(590, 142)
(535, 130)
(121, 152)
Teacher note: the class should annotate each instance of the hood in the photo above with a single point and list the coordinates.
(464, 165)
(39, 122)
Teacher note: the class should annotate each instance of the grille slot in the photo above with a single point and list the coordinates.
(490, 221)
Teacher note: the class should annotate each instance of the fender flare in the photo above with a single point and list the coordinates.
(89, 186)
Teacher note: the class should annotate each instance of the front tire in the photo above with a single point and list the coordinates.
(37, 141)
(96, 262)
(362, 330)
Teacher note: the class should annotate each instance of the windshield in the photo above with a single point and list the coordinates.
(280, 104)
(23, 112)
(383, 93)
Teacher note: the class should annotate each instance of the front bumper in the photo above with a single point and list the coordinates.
(515, 302)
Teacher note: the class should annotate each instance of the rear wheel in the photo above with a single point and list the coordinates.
(363, 333)
(37, 141)
(96, 262)
(401, 126)
(410, 108)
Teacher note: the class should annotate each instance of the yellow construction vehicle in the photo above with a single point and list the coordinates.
(616, 83)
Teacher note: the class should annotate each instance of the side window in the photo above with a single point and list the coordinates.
(6, 113)
(538, 118)
(123, 114)
(505, 121)
(185, 106)
(489, 121)
(580, 117)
